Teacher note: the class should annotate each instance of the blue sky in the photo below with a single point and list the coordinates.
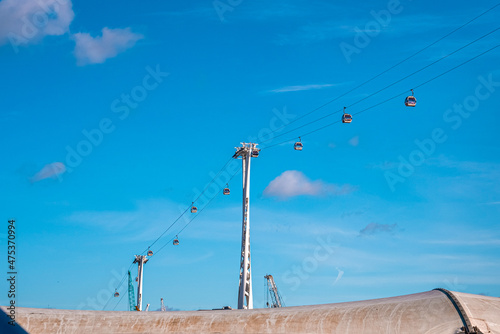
(116, 115)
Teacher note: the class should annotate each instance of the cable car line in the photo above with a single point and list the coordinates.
(455, 67)
(188, 208)
(387, 70)
(116, 289)
(305, 134)
(213, 179)
(171, 225)
(391, 98)
(338, 121)
(384, 88)
(427, 66)
(200, 211)
(330, 124)
(118, 301)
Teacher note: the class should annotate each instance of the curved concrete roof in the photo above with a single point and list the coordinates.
(436, 311)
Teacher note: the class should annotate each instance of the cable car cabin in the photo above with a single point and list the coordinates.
(194, 209)
(116, 294)
(346, 118)
(410, 101)
(226, 191)
(150, 253)
(176, 242)
(298, 146)
(255, 153)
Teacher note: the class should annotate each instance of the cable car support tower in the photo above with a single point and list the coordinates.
(245, 296)
(140, 260)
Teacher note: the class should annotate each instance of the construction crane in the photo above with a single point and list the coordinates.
(276, 299)
(131, 296)
(163, 308)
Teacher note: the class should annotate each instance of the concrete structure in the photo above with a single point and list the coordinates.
(140, 260)
(246, 152)
(436, 311)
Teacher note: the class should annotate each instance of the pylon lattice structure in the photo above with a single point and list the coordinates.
(246, 152)
(131, 296)
(276, 299)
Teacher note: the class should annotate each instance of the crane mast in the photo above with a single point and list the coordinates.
(163, 308)
(131, 296)
(276, 300)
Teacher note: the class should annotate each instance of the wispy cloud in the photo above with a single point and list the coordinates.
(374, 228)
(95, 50)
(353, 213)
(24, 22)
(385, 165)
(293, 183)
(312, 33)
(472, 180)
(300, 88)
(464, 242)
(202, 12)
(354, 141)
(347, 29)
(463, 166)
(51, 170)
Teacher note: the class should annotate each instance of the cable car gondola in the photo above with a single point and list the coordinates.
(346, 118)
(411, 101)
(226, 190)
(150, 253)
(176, 241)
(255, 153)
(193, 208)
(116, 294)
(298, 145)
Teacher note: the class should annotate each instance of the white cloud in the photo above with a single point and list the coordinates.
(95, 50)
(300, 88)
(26, 21)
(51, 170)
(294, 183)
